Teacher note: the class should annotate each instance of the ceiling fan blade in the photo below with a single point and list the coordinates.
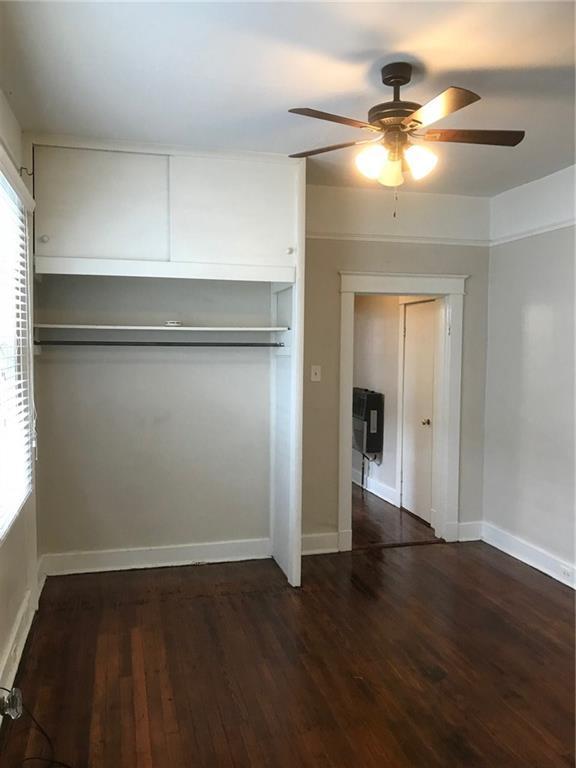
(496, 138)
(308, 112)
(447, 102)
(331, 148)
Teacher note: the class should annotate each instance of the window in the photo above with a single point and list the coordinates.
(15, 405)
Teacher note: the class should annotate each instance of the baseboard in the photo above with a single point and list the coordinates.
(12, 651)
(470, 531)
(319, 543)
(529, 553)
(384, 492)
(153, 557)
(344, 541)
(522, 550)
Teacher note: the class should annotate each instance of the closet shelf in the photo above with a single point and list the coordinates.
(195, 328)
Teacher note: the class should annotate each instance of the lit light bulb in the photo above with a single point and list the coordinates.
(392, 175)
(420, 161)
(372, 160)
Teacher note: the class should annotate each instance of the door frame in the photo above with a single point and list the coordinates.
(449, 290)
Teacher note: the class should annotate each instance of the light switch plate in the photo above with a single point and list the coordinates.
(316, 373)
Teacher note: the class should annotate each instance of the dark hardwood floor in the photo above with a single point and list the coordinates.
(453, 655)
(375, 522)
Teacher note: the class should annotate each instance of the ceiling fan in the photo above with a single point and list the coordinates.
(390, 153)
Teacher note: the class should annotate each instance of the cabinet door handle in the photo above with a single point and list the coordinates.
(426, 423)
(44, 238)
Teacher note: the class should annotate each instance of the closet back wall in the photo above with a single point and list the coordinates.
(144, 447)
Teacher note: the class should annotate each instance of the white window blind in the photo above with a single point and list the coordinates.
(15, 405)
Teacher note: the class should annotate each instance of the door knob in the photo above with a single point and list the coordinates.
(426, 423)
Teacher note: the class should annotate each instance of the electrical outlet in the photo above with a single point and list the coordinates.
(316, 373)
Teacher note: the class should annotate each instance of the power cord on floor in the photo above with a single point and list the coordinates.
(51, 762)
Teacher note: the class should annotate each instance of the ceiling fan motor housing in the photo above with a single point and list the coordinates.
(391, 113)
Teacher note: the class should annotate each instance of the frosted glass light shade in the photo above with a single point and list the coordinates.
(391, 175)
(420, 161)
(372, 160)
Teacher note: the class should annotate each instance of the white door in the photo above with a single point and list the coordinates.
(418, 402)
(286, 485)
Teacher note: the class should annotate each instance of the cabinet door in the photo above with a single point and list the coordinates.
(233, 211)
(100, 204)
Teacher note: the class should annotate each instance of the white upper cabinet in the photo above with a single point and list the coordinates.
(97, 204)
(234, 210)
(215, 217)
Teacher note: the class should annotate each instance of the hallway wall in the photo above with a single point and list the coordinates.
(376, 321)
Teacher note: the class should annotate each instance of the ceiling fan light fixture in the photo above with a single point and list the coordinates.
(421, 161)
(392, 175)
(372, 161)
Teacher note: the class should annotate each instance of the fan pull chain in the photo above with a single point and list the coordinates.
(395, 203)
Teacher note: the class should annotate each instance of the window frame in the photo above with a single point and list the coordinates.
(11, 174)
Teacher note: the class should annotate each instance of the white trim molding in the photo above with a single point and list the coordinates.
(383, 238)
(541, 230)
(471, 531)
(401, 283)
(529, 553)
(56, 265)
(520, 549)
(12, 651)
(61, 563)
(383, 491)
(449, 290)
(319, 543)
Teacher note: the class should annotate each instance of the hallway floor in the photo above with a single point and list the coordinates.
(375, 522)
(448, 656)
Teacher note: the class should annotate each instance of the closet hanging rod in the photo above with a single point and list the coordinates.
(81, 343)
(199, 328)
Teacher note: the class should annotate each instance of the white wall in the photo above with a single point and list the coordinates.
(529, 449)
(376, 320)
(152, 447)
(540, 206)
(18, 584)
(529, 446)
(10, 133)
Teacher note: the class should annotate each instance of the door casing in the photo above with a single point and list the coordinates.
(449, 290)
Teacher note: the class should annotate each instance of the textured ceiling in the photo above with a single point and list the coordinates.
(222, 76)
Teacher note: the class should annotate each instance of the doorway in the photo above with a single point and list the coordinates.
(446, 292)
(393, 400)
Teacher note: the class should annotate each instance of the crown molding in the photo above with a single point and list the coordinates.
(533, 232)
(385, 238)
(488, 243)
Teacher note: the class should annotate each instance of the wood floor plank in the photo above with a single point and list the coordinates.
(444, 656)
(375, 522)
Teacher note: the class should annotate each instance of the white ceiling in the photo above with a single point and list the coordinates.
(221, 77)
